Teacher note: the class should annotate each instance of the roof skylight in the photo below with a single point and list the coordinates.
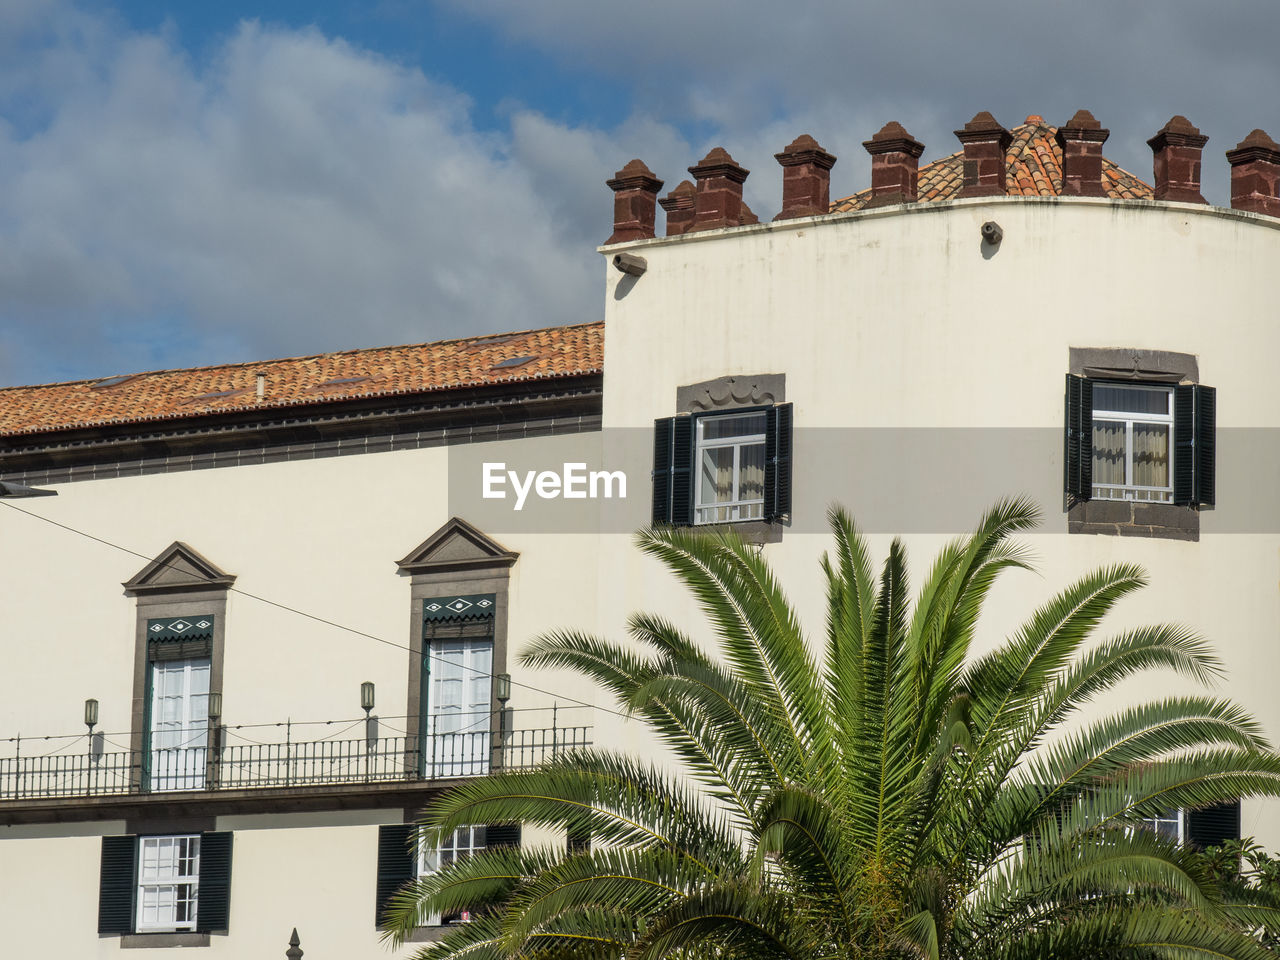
(513, 362)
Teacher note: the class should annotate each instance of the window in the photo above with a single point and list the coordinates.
(730, 457)
(1132, 431)
(1171, 825)
(457, 675)
(1212, 826)
(462, 843)
(172, 883)
(168, 882)
(399, 863)
(459, 598)
(1140, 442)
(181, 604)
(1205, 827)
(723, 467)
(177, 733)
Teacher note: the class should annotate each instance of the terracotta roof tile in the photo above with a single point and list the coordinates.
(1034, 170)
(324, 378)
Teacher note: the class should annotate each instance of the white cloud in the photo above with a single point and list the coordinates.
(292, 195)
(839, 71)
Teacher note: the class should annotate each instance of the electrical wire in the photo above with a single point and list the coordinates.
(317, 618)
(351, 722)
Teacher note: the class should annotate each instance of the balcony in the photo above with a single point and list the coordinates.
(92, 783)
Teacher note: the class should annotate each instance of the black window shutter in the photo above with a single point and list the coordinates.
(662, 434)
(395, 864)
(502, 835)
(213, 907)
(777, 459)
(1184, 433)
(1077, 457)
(1212, 826)
(673, 470)
(1206, 416)
(578, 840)
(682, 471)
(116, 885)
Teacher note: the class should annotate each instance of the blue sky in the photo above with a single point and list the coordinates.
(195, 183)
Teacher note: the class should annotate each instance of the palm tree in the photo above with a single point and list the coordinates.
(887, 794)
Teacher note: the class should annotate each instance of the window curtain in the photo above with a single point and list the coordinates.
(1151, 454)
(1108, 453)
(717, 476)
(751, 481)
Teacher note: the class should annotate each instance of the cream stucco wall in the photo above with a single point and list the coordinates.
(900, 319)
(320, 536)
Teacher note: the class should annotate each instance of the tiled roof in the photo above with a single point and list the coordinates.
(323, 378)
(1034, 169)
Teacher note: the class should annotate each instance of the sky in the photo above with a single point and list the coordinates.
(185, 184)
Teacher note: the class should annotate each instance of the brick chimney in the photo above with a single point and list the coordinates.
(806, 179)
(1081, 139)
(679, 207)
(1176, 158)
(746, 217)
(895, 165)
(1255, 174)
(985, 145)
(635, 202)
(719, 197)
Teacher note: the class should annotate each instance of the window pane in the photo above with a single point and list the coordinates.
(741, 425)
(716, 476)
(751, 479)
(1130, 400)
(168, 872)
(1151, 454)
(1108, 452)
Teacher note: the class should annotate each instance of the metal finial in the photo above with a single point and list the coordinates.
(294, 952)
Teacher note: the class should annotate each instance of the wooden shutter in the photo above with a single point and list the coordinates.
(213, 910)
(662, 436)
(1077, 456)
(672, 470)
(502, 835)
(1212, 826)
(1194, 416)
(777, 461)
(395, 864)
(1184, 435)
(116, 885)
(1206, 402)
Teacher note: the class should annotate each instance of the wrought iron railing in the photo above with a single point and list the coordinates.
(305, 763)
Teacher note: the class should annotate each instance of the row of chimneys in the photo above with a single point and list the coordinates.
(716, 201)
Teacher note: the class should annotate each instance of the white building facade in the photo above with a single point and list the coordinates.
(235, 551)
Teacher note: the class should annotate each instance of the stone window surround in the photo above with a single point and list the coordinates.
(163, 600)
(1123, 517)
(723, 395)
(430, 579)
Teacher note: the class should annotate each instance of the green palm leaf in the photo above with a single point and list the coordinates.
(880, 795)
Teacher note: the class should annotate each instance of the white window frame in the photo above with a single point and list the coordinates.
(1129, 490)
(459, 742)
(736, 509)
(181, 765)
(431, 858)
(1178, 816)
(168, 878)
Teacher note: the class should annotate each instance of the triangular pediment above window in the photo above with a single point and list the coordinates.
(457, 546)
(177, 569)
